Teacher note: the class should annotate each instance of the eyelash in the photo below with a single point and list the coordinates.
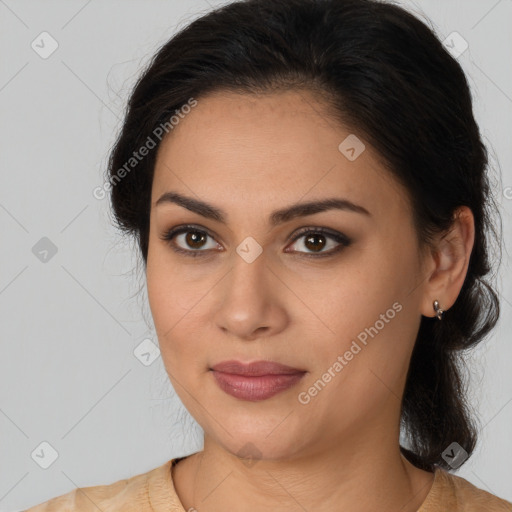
(342, 239)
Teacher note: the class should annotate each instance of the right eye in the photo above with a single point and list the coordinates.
(191, 240)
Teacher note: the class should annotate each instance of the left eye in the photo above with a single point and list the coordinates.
(317, 239)
(314, 240)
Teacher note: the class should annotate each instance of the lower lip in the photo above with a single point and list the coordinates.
(255, 388)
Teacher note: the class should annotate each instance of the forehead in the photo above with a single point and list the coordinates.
(273, 149)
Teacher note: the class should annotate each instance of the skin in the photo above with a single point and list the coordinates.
(250, 155)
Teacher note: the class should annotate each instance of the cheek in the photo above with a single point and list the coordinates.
(364, 319)
(170, 313)
(175, 303)
(342, 304)
(170, 292)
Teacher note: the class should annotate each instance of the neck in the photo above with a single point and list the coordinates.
(357, 475)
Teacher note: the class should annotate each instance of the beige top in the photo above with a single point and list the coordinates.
(154, 492)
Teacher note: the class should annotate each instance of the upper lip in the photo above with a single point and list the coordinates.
(256, 368)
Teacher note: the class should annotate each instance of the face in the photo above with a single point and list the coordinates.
(331, 293)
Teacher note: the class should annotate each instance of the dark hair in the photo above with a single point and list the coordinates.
(387, 77)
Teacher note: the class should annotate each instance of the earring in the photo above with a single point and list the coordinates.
(438, 310)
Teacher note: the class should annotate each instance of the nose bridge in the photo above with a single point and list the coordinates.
(249, 302)
(249, 269)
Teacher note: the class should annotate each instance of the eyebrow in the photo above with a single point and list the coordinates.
(276, 217)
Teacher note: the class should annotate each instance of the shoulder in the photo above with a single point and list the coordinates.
(139, 493)
(457, 494)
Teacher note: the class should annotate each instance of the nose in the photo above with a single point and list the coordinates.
(250, 301)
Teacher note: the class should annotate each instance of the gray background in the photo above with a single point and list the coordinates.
(69, 326)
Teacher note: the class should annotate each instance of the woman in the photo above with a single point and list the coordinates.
(308, 189)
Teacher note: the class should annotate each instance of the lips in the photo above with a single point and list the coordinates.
(255, 381)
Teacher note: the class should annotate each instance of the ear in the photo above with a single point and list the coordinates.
(447, 265)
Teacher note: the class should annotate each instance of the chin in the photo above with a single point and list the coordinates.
(256, 444)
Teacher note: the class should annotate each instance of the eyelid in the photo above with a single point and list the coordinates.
(336, 235)
(341, 239)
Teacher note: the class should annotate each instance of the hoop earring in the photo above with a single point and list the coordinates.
(438, 310)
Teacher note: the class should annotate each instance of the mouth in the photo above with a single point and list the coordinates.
(255, 381)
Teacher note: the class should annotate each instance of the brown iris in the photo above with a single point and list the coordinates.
(311, 239)
(195, 239)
